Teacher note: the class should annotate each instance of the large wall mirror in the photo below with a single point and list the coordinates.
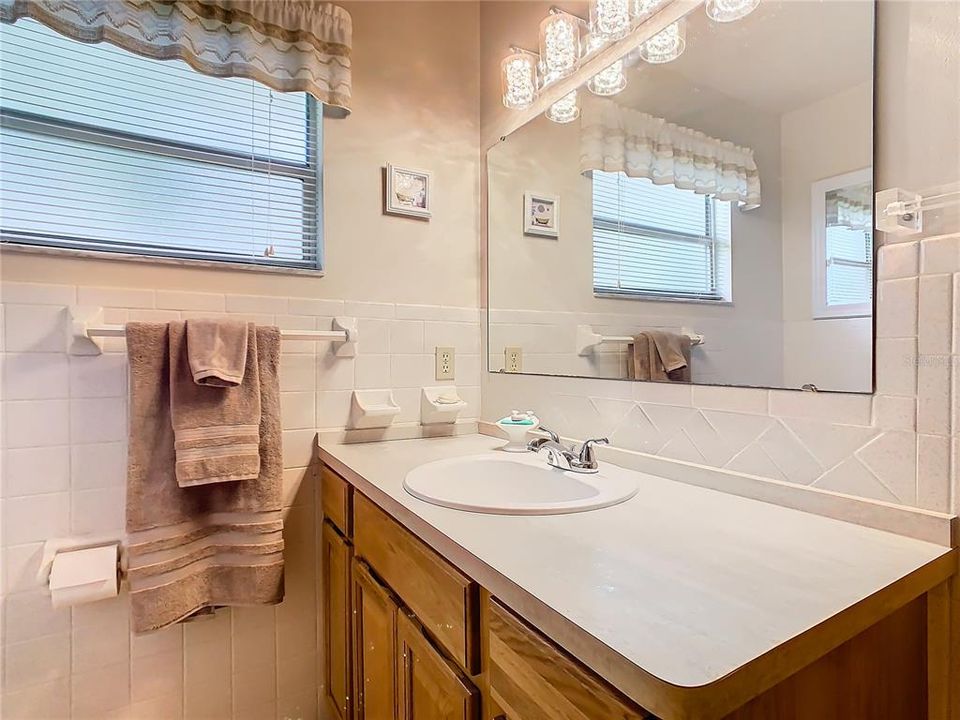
(709, 222)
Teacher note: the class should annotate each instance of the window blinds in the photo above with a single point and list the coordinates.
(105, 150)
(849, 257)
(657, 240)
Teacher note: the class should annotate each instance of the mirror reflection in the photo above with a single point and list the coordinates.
(703, 217)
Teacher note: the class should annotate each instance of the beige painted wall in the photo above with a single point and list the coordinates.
(822, 140)
(414, 103)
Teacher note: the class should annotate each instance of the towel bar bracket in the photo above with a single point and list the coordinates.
(85, 331)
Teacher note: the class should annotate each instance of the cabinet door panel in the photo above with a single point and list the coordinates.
(336, 557)
(429, 687)
(374, 647)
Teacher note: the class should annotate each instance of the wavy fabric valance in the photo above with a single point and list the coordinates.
(618, 139)
(288, 45)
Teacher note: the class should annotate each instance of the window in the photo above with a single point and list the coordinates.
(658, 242)
(842, 221)
(103, 150)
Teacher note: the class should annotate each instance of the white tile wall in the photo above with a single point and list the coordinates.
(892, 446)
(64, 456)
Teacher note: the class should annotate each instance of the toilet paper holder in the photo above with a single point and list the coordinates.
(53, 546)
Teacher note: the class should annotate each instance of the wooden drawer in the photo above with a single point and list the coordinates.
(531, 679)
(336, 497)
(444, 600)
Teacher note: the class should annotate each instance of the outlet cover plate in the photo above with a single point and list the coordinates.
(446, 360)
(513, 359)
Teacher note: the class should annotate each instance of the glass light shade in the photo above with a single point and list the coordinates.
(642, 9)
(610, 19)
(518, 73)
(666, 45)
(559, 45)
(565, 109)
(609, 81)
(730, 10)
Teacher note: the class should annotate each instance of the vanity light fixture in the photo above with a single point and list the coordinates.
(559, 45)
(610, 80)
(565, 109)
(730, 10)
(666, 45)
(518, 73)
(610, 19)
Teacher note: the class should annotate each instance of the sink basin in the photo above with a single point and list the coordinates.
(516, 485)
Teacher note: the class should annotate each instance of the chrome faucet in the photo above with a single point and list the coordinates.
(563, 458)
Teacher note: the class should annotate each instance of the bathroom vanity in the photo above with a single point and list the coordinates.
(679, 603)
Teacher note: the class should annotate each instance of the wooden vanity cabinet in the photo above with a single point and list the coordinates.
(374, 646)
(336, 557)
(429, 687)
(531, 679)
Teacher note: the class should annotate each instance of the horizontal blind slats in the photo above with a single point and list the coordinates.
(105, 150)
(657, 240)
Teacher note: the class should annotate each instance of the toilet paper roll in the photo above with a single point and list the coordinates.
(80, 576)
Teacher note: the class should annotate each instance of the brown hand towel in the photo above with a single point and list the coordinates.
(674, 353)
(215, 428)
(645, 362)
(217, 351)
(192, 548)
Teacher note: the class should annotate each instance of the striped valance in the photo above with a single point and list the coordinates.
(618, 139)
(288, 45)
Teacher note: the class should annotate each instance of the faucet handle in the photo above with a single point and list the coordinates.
(587, 456)
(553, 436)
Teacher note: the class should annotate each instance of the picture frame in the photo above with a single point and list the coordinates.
(408, 192)
(541, 215)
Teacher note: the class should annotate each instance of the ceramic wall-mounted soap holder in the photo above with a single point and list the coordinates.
(372, 409)
(440, 405)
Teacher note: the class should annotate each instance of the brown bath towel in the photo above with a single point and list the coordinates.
(645, 361)
(191, 548)
(217, 351)
(215, 427)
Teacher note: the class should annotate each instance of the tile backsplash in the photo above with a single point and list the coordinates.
(63, 472)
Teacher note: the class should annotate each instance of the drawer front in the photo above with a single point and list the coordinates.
(531, 679)
(443, 599)
(336, 496)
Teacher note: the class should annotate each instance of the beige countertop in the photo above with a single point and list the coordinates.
(680, 584)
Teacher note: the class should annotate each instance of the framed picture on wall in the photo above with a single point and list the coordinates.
(408, 192)
(541, 215)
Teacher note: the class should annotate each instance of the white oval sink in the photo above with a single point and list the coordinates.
(516, 485)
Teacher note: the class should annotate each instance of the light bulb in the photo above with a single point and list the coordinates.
(730, 10)
(610, 19)
(666, 45)
(559, 45)
(610, 80)
(518, 73)
(565, 109)
(642, 9)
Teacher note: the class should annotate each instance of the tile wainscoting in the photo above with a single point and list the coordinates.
(63, 468)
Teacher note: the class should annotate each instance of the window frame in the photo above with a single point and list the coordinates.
(818, 235)
(638, 230)
(309, 171)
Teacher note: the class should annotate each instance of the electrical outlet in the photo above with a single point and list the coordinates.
(446, 357)
(513, 359)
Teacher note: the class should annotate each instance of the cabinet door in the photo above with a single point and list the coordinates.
(336, 556)
(374, 647)
(429, 687)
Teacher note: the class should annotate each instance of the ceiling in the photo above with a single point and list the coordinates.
(785, 55)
